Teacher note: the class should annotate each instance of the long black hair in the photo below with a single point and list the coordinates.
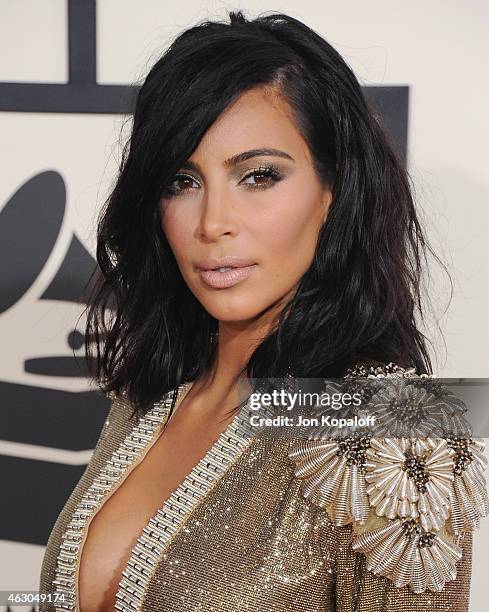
(360, 295)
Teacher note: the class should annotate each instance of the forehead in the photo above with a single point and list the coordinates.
(259, 118)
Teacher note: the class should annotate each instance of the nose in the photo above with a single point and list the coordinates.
(217, 213)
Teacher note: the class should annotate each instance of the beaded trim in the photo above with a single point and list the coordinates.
(65, 583)
(159, 531)
(162, 527)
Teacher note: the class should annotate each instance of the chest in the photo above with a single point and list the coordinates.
(116, 526)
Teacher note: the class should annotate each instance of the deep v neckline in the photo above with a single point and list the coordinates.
(168, 519)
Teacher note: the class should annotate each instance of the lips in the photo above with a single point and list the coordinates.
(229, 261)
(227, 278)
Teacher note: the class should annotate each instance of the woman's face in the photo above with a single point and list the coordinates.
(265, 208)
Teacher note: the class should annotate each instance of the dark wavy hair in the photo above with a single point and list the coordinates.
(360, 295)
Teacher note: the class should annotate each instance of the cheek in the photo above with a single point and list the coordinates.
(289, 230)
(175, 228)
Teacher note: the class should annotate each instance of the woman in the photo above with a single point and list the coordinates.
(261, 226)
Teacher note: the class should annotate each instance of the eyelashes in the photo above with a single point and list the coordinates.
(268, 175)
(269, 172)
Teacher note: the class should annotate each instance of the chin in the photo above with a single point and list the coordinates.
(230, 315)
(234, 310)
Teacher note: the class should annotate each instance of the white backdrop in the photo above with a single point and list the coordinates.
(439, 48)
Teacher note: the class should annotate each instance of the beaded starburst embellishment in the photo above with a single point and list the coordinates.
(424, 486)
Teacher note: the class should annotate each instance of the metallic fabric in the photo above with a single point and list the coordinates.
(239, 534)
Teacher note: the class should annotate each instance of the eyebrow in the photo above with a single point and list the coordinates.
(241, 157)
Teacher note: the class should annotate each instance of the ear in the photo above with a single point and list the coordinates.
(327, 201)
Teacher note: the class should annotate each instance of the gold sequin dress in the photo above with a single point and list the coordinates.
(282, 525)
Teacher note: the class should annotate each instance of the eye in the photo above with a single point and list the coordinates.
(263, 177)
(181, 183)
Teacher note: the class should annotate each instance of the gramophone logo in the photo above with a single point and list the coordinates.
(47, 432)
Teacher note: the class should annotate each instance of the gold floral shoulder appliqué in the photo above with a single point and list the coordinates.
(409, 499)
